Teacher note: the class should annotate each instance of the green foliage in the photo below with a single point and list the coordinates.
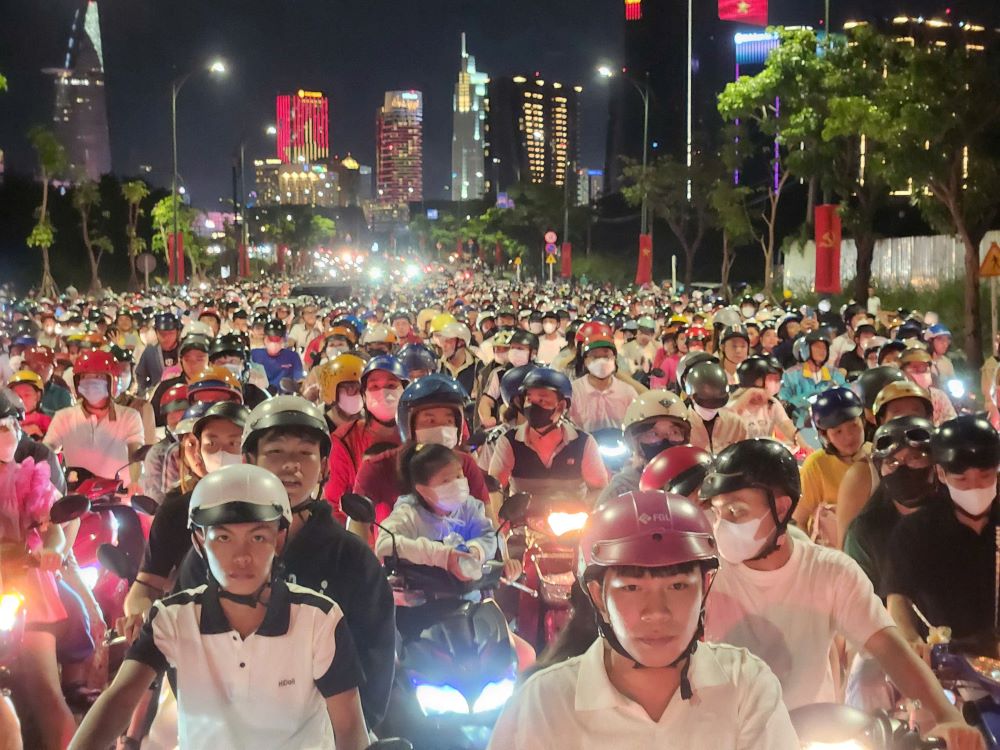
(50, 152)
(42, 236)
(3, 83)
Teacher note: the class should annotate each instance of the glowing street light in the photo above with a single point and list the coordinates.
(605, 72)
(271, 130)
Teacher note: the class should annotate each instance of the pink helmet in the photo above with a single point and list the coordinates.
(648, 529)
(680, 469)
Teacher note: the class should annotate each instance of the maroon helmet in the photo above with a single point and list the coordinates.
(648, 529)
(680, 470)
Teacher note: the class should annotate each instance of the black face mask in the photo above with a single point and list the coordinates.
(538, 417)
(652, 450)
(907, 486)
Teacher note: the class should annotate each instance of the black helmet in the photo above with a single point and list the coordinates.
(758, 366)
(121, 355)
(871, 382)
(228, 410)
(546, 377)
(286, 411)
(734, 332)
(274, 327)
(762, 463)
(436, 389)
(195, 341)
(166, 322)
(851, 310)
(229, 344)
(966, 442)
(525, 338)
(835, 406)
(510, 383)
(11, 405)
(817, 337)
(689, 360)
(707, 385)
(902, 432)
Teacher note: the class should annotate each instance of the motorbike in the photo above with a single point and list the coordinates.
(614, 451)
(456, 663)
(973, 684)
(835, 726)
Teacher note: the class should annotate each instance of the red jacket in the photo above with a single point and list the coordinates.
(349, 443)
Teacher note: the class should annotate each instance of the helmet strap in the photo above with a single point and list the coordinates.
(779, 529)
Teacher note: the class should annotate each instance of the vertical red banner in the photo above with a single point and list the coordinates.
(175, 258)
(828, 237)
(171, 277)
(460, 249)
(753, 12)
(566, 269)
(644, 270)
(243, 262)
(497, 254)
(282, 250)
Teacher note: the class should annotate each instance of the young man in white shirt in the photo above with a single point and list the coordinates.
(260, 663)
(785, 600)
(646, 561)
(600, 400)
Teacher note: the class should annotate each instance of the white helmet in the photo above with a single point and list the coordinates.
(456, 331)
(377, 333)
(239, 494)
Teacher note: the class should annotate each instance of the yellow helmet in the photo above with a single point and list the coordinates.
(346, 368)
(439, 321)
(26, 376)
(502, 339)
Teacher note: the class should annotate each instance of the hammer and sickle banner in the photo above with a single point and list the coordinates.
(175, 258)
(644, 271)
(243, 261)
(752, 12)
(828, 236)
(566, 256)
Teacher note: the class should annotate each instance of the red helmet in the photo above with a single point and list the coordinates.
(38, 354)
(94, 362)
(679, 470)
(174, 399)
(648, 529)
(594, 330)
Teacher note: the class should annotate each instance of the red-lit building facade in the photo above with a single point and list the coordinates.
(303, 124)
(400, 157)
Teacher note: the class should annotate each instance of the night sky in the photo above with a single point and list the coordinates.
(352, 51)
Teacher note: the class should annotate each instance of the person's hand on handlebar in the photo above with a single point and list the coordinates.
(129, 626)
(48, 559)
(959, 736)
(455, 559)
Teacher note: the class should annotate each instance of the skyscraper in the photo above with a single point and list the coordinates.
(400, 157)
(532, 131)
(80, 120)
(468, 178)
(303, 124)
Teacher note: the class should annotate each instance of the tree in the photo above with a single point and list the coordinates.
(86, 198)
(941, 126)
(163, 217)
(51, 164)
(134, 192)
(678, 194)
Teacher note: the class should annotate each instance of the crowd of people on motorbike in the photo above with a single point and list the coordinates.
(785, 507)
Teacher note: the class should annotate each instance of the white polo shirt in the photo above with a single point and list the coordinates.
(735, 705)
(267, 691)
(97, 445)
(593, 409)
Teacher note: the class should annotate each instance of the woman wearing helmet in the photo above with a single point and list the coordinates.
(521, 349)
(646, 562)
(28, 386)
(340, 389)
(938, 339)
(230, 350)
(55, 395)
(124, 370)
(756, 402)
(599, 398)
(713, 424)
(673, 346)
(734, 347)
(239, 519)
(458, 359)
(418, 360)
(809, 378)
(916, 366)
(278, 360)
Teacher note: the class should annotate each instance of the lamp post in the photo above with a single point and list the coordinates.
(217, 67)
(643, 88)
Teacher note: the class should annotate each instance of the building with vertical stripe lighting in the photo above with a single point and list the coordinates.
(400, 157)
(303, 123)
(468, 173)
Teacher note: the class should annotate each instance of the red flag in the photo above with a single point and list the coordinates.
(180, 260)
(752, 12)
(175, 258)
(243, 262)
(644, 271)
(170, 259)
(566, 270)
(498, 254)
(828, 236)
(282, 250)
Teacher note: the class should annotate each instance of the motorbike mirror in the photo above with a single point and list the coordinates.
(358, 508)
(115, 560)
(393, 743)
(656, 372)
(515, 509)
(492, 483)
(145, 504)
(68, 508)
(829, 723)
(140, 454)
(288, 385)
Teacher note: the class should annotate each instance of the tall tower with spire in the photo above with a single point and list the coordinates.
(80, 118)
(468, 171)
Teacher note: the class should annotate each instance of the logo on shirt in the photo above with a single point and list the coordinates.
(286, 683)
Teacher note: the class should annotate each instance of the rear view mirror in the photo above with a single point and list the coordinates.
(145, 504)
(117, 561)
(358, 508)
(68, 508)
(515, 509)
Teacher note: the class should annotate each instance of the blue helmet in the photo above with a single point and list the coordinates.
(510, 383)
(938, 329)
(417, 357)
(835, 406)
(546, 377)
(436, 389)
(385, 362)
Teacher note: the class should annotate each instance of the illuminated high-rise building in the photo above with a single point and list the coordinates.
(80, 120)
(532, 131)
(468, 174)
(303, 123)
(400, 157)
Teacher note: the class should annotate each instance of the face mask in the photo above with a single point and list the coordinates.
(273, 348)
(236, 370)
(748, 312)
(93, 391)
(8, 445)
(538, 416)
(975, 502)
(332, 352)
(518, 357)
(923, 379)
(601, 368)
(907, 485)
(535, 328)
(707, 415)
(549, 327)
(350, 404)
(382, 405)
(501, 357)
(865, 343)
(446, 435)
(450, 495)
(122, 383)
(652, 450)
(738, 541)
(215, 461)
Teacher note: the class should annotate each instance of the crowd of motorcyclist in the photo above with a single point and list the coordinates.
(785, 507)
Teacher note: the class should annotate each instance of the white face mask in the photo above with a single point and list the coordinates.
(748, 312)
(501, 357)
(215, 461)
(93, 391)
(706, 414)
(382, 404)
(518, 357)
(273, 348)
(976, 501)
(535, 328)
(738, 541)
(549, 327)
(450, 495)
(601, 368)
(236, 370)
(8, 445)
(350, 404)
(446, 435)
(332, 352)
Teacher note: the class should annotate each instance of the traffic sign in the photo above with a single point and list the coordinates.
(145, 262)
(991, 263)
(551, 249)
(550, 237)
(551, 260)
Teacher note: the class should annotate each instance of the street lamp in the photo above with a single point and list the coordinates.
(605, 71)
(216, 67)
(271, 130)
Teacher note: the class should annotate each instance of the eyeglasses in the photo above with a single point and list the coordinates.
(888, 444)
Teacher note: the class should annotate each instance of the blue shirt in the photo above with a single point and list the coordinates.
(288, 364)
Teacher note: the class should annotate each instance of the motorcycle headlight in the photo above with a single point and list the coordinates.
(89, 576)
(613, 450)
(560, 523)
(10, 604)
(494, 696)
(441, 699)
(956, 388)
